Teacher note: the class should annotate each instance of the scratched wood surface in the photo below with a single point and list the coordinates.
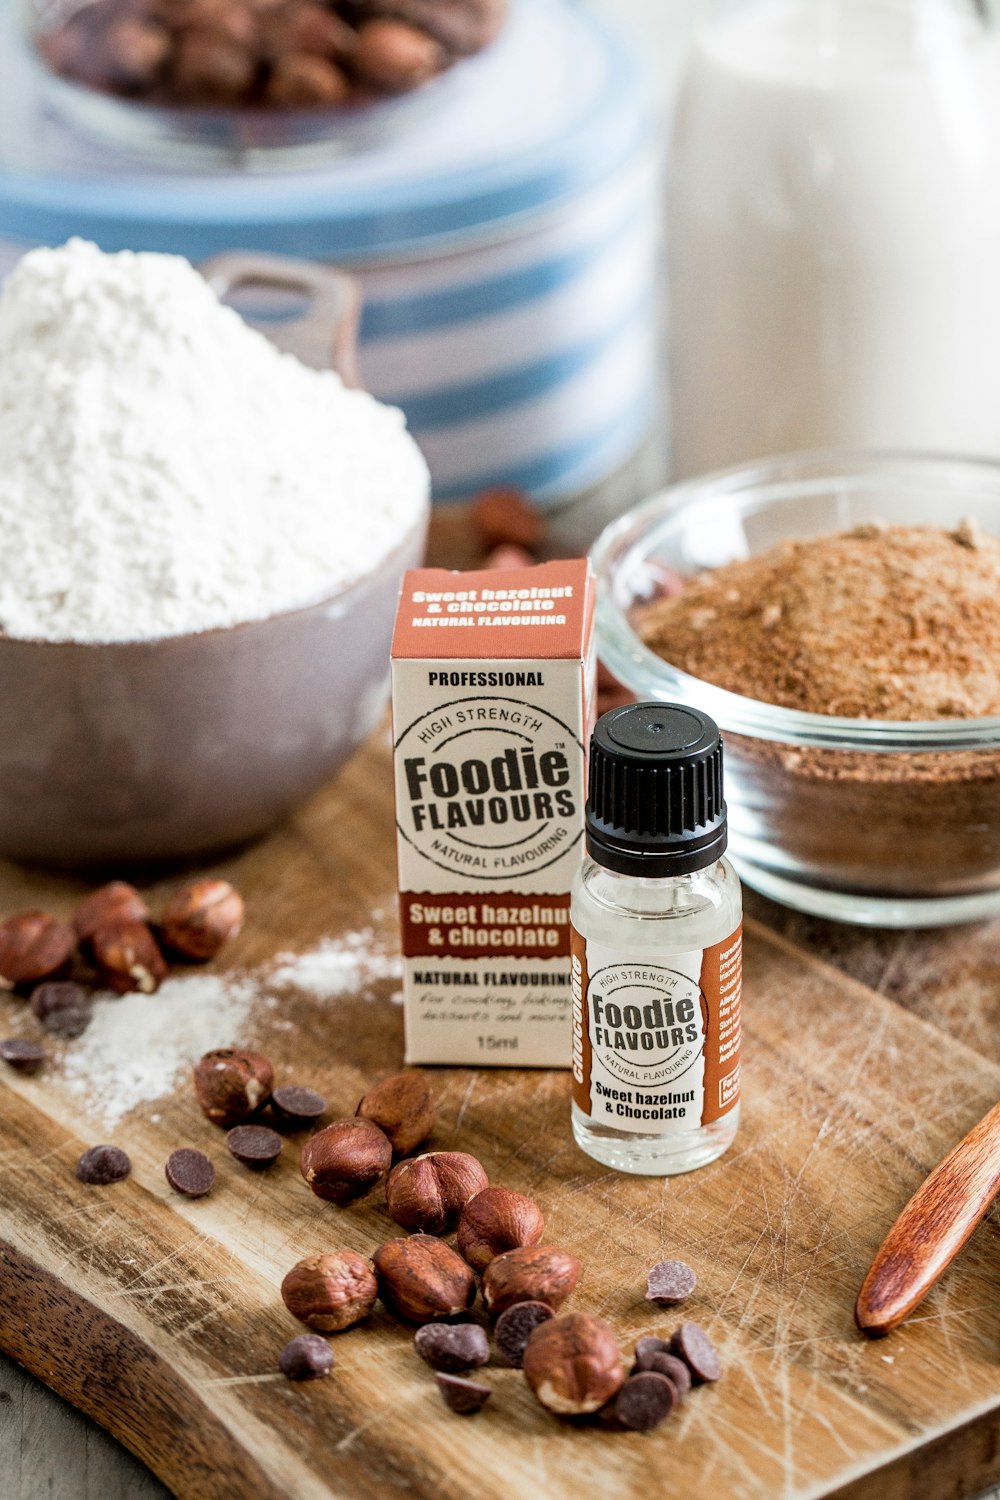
(161, 1317)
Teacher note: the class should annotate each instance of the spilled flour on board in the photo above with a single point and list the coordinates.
(137, 1045)
(338, 966)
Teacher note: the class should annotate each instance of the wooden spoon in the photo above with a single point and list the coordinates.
(932, 1229)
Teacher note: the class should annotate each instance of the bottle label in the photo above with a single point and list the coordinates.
(656, 1044)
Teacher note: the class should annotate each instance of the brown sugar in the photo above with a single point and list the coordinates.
(898, 622)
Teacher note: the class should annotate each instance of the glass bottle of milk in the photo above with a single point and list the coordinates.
(834, 231)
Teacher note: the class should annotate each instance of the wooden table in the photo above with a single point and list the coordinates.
(867, 1054)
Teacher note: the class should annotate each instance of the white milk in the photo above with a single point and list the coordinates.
(834, 232)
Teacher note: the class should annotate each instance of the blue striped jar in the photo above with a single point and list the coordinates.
(506, 243)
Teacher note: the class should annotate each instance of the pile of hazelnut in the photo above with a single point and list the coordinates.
(110, 942)
(571, 1362)
(271, 54)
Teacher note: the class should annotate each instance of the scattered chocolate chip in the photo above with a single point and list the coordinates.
(254, 1145)
(63, 1008)
(670, 1281)
(190, 1172)
(645, 1400)
(692, 1344)
(664, 1363)
(452, 1346)
(295, 1108)
(306, 1357)
(26, 1057)
(515, 1326)
(463, 1396)
(102, 1165)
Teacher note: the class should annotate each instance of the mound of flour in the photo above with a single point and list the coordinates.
(163, 468)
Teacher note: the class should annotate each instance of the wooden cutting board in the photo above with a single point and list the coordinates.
(161, 1317)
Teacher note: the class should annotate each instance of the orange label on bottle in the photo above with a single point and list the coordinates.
(656, 1042)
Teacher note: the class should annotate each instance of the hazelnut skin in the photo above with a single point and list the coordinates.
(128, 957)
(115, 902)
(573, 1364)
(330, 1292)
(203, 916)
(428, 1193)
(422, 1279)
(536, 1273)
(393, 57)
(232, 1084)
(345, 1160)
(33, 945)
(497, 1220)
(402, 1106)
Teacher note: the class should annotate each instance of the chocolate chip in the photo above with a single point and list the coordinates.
(670, 1281)
(295, 1108)
(692, 1344)
(102, 1165)
(190, 1172)
(64, 1008)
(515, 1326)
(254, 1145)
(664, 1363)
(307, 1357)
(464, 1396)
(645, 1400)
(26, 1057)
(452, 1346)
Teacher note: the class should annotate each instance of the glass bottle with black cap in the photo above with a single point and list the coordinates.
(657, 946)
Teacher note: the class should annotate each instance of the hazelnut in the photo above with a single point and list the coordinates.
(128, 958)
(345, 1160)
(232, 1084)
(573, 1364)
(429, 1192)
(33, 945)
(210, 68)
(536, 1273)
(393, 57)
(330, 1292)
(506, 517)
(310, 27)
(201, 917)
(402, 1106)
(300, 80)
(422, 1279)
(497, 1220)
(115, 902)
(137, 52)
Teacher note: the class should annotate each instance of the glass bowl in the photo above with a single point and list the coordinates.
(879, 822)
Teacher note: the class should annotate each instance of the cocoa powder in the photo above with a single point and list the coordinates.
(879, 622)
(893, 623)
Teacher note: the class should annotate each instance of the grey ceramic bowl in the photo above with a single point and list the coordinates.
(166, 749)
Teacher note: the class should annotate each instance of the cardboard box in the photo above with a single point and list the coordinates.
(493, 693)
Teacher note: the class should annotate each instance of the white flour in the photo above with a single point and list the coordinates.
(163, 468)
(140, 1048)
(338, 966)
(135, 1048)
